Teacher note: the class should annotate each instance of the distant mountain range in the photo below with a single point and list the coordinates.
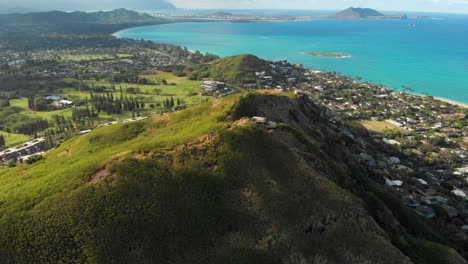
(60, 17)
(364, 13)
(6, 9)
(139, 5)
(149, 5)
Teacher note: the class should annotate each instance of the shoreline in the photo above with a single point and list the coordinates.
(449, 101)
(462, 105)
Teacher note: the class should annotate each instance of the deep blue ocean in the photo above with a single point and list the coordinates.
(430, 56)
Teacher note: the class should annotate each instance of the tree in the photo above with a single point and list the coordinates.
(2, 141)
(31, 103)
(4, 103)
(152, 106)
(425, 148)
(447, 155)
(439, 141)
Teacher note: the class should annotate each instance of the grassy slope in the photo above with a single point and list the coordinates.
(82, 155)
(94, 57)
(12, 139)
(168, 193)
(235, 69)
(380, 126)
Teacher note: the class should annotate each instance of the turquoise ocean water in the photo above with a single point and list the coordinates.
(430, 57)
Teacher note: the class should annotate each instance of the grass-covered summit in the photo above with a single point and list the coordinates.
(205, 185)
(235, 69)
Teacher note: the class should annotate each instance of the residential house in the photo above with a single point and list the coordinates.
(425, 211)
(450, 211)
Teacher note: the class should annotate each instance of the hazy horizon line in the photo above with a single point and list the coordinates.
(230, 9)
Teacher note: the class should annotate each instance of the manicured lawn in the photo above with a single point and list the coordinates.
(379, 126)
(14, 139)
(93, 57)
(23, 103)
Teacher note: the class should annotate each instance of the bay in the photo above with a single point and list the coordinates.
(430, 56)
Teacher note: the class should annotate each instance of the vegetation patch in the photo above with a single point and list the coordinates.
(329, 54)
(235, 70)
(380, 126)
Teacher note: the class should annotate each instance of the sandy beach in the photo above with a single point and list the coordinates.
(452, 102)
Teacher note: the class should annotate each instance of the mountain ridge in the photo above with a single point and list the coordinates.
(152, 5)
(204, 185)
(59, 17)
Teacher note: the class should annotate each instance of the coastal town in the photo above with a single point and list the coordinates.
(416, 145)
(422, 141)
(93, 62)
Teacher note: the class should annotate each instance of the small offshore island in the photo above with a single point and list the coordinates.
(330, 54)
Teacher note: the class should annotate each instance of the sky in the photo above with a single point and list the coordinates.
(454, 6)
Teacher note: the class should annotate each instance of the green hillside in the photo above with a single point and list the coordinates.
(60, 18)
(235, 69)
(204, 185)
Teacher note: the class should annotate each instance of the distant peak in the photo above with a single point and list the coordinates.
(364, 13)
(357, 12)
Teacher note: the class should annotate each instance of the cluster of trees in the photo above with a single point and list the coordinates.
(4, 103)
(130, 75)
(23, 85)
(128, 78)
(34, 159)
(132, 90)
(27, 65)
(5, 67)
(83, 87)
(197, 57)
(109, 104)
(32, 127)
(39, 62)
(62, 125)
(160, 81)
(169, 103)
(2, 141)
(83, 115)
